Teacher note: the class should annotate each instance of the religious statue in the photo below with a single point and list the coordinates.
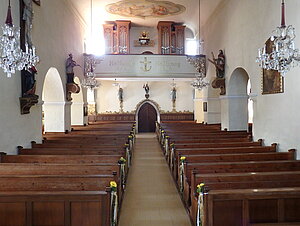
(120, 94)
(70, 64)
(72, 87)
(147, 89)
(173, 94)
(219, 81)
(219, 64)
(29, 82)
(28, 17)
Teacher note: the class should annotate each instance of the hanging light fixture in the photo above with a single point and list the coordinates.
(199, 83)
(90, 81)
(199, 62)
(281, 54)
(12, 58)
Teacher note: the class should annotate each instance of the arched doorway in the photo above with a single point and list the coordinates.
(78, 116)
(147, 116)
(54, 102)
(238, 100)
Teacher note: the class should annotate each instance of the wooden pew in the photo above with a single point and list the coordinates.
(46, 199)
(174, 157)
(243, 207)
(63, 159)
(184, 182)
(76, 208)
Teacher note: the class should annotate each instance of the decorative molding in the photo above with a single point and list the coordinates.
(138, 44)
(207, 99)
(177, 116)
(57, 103)
(78, 103)
(147, 101)
(112, 117)
(75, 12)
(233, 97)
(26, 103)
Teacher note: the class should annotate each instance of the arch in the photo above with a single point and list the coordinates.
(53, 87)
(53, 96)
(140, 104)
(77, 107)
(238, 100)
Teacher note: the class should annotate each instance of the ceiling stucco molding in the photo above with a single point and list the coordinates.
(76, 13)
(145, 9)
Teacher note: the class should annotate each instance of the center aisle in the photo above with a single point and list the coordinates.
(151, 197)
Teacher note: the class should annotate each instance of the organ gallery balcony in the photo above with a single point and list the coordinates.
(140, 65)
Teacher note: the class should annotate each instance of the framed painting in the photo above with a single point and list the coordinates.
(38, 2)
(272, 81)
(204, 106)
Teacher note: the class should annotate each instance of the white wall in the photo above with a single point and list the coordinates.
(240, 27)
(160, 92)
(56, 32)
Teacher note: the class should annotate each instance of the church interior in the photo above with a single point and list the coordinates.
(149, 112)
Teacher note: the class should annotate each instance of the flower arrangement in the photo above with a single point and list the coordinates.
(113, 185)
(182, 159)
(200, 188)
(122, 161)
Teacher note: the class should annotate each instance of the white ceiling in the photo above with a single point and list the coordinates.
(190, 17)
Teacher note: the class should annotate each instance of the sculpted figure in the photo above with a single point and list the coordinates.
(120, 94)
(28, 17)
(146, 87)
(219, 64)
(173, 94)
(70, 64)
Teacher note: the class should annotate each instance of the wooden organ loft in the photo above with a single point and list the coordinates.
(171, 37)
(117, 36)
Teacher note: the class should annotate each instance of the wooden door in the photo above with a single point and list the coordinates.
(147, 118)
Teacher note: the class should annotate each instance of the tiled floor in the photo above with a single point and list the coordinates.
(151, 198)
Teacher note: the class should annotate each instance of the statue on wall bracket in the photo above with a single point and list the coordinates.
(147, 89)
(219, 81)
(173, 97)
(71, 86)
(120, 97)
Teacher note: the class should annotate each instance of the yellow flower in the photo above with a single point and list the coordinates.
(182, 158)
(122, 159)
(113, 184)
(200, 185)
(200, 188)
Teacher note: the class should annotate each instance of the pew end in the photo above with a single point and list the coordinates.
(19, 149)
(293, 152)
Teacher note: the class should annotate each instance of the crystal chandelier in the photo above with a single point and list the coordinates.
(281, 54)
(198, 61)
(199, 83)
(12, 58)
(90, 81)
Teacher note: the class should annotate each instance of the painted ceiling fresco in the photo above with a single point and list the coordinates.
(145, 8)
